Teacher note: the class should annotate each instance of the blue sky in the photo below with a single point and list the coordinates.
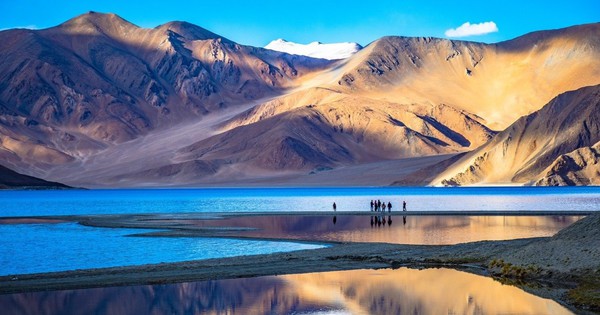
(258, 22)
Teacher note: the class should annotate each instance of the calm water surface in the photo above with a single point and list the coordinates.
(398, 229)
(401, 291)
(34, 248)
(44, 247)
(80, 202)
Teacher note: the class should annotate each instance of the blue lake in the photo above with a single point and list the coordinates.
(81, 202)
(34, 248)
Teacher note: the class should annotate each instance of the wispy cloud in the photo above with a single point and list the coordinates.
(30, 27)
(468, 29)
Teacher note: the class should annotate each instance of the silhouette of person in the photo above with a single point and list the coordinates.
(371, 205)
(404, 205)
(389, 206)
(334, 206)
(383, 207)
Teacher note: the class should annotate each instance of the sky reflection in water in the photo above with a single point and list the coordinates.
(401, 291)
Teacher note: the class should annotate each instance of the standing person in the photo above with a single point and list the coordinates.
(383, 207)
(371, 204)
(404, 205)
(389, 206)
(379, 204)
(334, 206)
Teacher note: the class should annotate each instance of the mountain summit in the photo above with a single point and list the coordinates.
(316, 49)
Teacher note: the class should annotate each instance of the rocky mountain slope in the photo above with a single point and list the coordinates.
(580, 167)
(97, 80)
(497, 82)
(98, 101)
(556, 145)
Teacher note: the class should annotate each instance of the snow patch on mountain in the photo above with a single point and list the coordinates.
(316, 49)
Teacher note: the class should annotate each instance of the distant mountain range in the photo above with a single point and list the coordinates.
(100, 102)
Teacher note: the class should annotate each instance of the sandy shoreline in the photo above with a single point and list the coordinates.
(567, 261)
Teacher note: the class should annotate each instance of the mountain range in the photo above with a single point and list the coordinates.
(100, 102)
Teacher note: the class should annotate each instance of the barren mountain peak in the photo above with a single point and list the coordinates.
(188, 30)
(97, 19)
(586, 32)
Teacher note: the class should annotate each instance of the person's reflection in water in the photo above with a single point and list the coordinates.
(378, 221)
(404, 219)
(390, 220)
(334, 219)
(372, 221)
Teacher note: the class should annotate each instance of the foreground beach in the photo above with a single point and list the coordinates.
(565, 267)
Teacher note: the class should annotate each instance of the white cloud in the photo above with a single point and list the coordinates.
(469, 29)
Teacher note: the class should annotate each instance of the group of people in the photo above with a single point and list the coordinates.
(377, 206)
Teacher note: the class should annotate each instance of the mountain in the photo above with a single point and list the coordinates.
(556, 145)
(10, 179)
(497, 82)
(316, 49)
(580, 167)
(98, 101)
(355, 114)
(97, 80)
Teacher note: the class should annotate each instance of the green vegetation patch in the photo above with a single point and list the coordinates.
(587, 294)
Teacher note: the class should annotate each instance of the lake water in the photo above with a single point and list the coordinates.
(398, 229)
(35, 248)
(45, 247)
(30, 248)
(80, 202)
(401, 291)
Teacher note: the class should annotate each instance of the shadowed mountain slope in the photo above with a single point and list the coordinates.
(558, 143)
(10, 179)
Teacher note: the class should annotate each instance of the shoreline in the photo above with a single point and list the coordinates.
(218, 215)
(520, 262)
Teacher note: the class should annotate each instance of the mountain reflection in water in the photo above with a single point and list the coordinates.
(395, 228)
(401, 291)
